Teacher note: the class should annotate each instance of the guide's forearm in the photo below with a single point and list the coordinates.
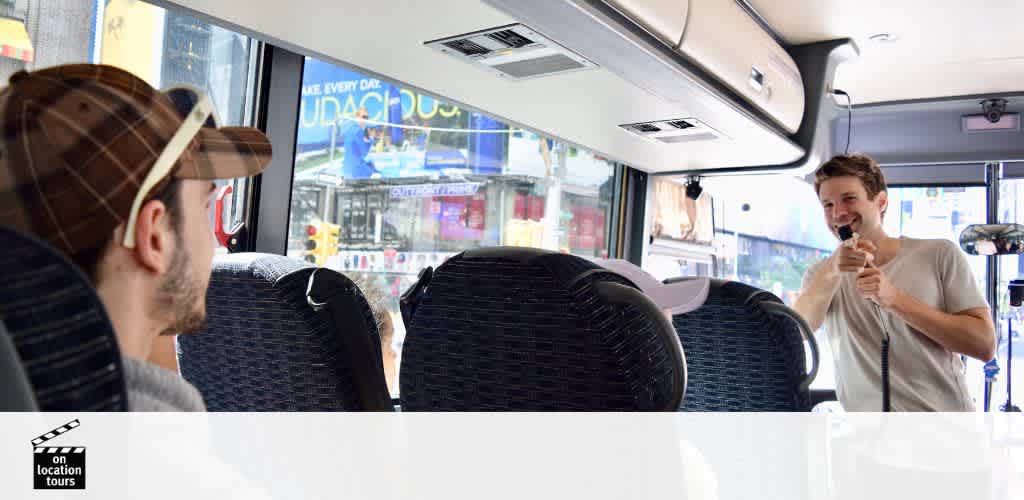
(815, 298)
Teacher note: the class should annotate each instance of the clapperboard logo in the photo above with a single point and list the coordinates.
(58, 468)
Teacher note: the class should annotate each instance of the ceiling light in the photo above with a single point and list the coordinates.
(883, 37)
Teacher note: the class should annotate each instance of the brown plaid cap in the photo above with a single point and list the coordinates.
(76, 142)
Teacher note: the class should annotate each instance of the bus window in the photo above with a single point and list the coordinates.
(163, 47)
(682, 231)
(770, 230)
(184, 51)
(401, 180)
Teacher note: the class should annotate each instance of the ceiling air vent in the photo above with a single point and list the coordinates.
(514, 51)
(674, 131)
(467, 47)
(510, 38)
(646, 127)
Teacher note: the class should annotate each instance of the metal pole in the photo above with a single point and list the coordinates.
(993, 171)
(1009, 366)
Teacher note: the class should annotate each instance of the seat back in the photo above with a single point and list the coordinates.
(745, 350)
(59, 328)
(15, 392)
(268, 347)
(516, 329)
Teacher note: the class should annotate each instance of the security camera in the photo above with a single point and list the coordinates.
(993, 109)
(745, 207)
(693, 188)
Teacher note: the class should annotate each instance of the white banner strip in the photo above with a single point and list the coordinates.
(558, 456)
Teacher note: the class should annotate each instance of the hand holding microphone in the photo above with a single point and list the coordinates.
(854, 255)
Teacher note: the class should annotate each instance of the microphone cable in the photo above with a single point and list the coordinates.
(885, 359)
(850, 239)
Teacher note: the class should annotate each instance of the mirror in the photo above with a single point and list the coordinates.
(993, 239)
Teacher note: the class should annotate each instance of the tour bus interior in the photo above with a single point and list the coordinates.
(678, 135)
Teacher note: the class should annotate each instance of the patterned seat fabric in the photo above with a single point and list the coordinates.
(514, 329)
(264, 347)
(745, 352)
(59, 328)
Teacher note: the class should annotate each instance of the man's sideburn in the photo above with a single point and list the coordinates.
(178, 296)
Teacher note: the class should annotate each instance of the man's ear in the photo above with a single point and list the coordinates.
(153, 237)
(883, 201)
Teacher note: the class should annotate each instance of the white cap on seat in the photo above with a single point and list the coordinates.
(680, 297)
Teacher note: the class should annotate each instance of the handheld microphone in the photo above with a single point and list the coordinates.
(850, 239)
(848, 236)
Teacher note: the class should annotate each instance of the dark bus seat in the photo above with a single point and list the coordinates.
(266, 348)
(15, 393)
(745, 352)
(517, 329)
(59, 328)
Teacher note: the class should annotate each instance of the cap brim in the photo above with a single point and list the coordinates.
(680, 297)
(227, 153)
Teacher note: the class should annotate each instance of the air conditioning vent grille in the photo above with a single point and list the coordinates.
(510, 38)
(514, 51)
(673, 131)
(467, 47)
(539, 66)
(676, 139)
(646, 127)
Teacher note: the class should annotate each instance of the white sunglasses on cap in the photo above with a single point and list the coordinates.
(190, 125)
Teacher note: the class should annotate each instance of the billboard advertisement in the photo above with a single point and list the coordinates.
(353, 126)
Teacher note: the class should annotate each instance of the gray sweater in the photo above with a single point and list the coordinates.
(152, 388)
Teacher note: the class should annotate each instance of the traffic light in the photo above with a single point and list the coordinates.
(321, 242)
(312, 242)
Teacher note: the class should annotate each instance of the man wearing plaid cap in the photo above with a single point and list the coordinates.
(119, 177)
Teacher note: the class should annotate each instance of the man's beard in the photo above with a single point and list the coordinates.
(179, 296)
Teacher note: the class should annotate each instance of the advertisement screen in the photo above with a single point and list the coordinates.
(353, 126)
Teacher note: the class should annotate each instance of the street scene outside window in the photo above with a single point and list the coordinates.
(389, 180)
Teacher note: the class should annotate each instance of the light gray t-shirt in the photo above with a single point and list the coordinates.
(923, 375)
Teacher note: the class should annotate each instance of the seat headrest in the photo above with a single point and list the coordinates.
(524, 329)
(59, 328)
(265, 348)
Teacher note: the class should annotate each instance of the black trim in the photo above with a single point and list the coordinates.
(819, 396)
(412, 297)
(936, 100)
(521, 254)
(615, 224)
(618, 293)
(280, 120)
(333, 295)
(636, 205)
(783, 311)
(935, 184)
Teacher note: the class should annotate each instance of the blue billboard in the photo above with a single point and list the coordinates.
(379, 129)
